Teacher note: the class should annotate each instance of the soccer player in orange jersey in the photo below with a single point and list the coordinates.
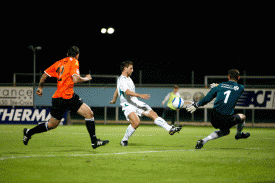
(66, 71)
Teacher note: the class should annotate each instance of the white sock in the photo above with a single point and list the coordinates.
(162, 123)
(212, 136)
(129, 132)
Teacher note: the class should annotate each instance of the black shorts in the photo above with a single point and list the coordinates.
(222, 121)
(60, 106)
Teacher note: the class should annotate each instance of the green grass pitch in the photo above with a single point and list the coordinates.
(65, 155)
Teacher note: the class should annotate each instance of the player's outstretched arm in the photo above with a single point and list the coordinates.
(143, 96)
(208, 98)
(39, 91)
(79, 79)
(114, 97)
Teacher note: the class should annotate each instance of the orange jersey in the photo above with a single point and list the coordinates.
(63, 70)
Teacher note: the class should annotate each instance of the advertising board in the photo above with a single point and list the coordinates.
(16, 96)
(26, 116)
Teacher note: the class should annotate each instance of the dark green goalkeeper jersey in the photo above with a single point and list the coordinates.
(227, 95)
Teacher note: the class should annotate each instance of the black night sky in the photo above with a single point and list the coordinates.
(165, 45)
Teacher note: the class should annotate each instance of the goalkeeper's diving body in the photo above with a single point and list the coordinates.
(222, 117)
(132, 107)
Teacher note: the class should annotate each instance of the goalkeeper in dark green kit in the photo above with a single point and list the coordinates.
(222, 117)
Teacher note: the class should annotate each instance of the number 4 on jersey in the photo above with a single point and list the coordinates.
(60, 71)
(227, 93)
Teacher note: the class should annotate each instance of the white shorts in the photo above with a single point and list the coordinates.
(129, 108)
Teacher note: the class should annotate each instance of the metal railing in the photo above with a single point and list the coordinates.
(26, 77)
(103, 80)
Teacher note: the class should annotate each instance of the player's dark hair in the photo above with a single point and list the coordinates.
(234, 74)
(73, 51)
(176, 87)
(125, 64)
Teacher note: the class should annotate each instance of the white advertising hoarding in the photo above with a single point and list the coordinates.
(16, 96)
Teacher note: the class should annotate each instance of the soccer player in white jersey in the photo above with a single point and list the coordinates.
(132, 107)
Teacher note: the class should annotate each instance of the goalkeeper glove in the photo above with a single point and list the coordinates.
(192, 107)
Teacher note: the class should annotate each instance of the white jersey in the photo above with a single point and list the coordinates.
(124, 83)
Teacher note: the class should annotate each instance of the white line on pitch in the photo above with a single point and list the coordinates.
(105, 154)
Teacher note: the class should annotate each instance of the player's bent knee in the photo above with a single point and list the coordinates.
(223, 132)
(85, 111)
(135, 123)
(134, 119)
(152, 114)
(90, 114)
(242, 116)
(52, 124)
(239, 118)
(51, 127)
(226, 132)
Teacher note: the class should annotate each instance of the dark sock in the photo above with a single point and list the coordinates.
(240, 127)
(42, 127)
(90, 124)
(240, 123)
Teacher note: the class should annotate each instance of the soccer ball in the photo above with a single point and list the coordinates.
(178, 102)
